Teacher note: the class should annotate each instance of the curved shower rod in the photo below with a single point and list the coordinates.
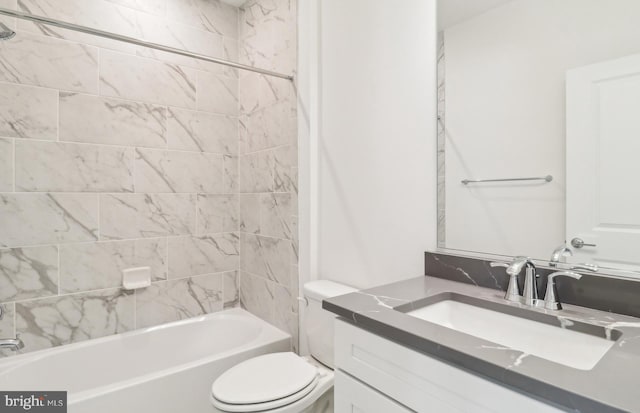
(138, 42)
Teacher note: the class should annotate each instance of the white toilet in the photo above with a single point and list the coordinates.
(285, 382)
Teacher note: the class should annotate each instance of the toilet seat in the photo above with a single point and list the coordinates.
(261, 407)
(264, 383)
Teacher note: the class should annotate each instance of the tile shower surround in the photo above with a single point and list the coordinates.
(268, 184)
(115, 156)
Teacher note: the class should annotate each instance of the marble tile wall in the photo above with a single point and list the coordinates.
(114, 156)
(268, 164)
(442, 221)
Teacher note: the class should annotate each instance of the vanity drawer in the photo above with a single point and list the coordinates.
(354, 396)
(420, 382)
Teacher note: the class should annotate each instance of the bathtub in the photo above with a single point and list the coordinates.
(164, 369)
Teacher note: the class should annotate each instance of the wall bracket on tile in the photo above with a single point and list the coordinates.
(136, 278)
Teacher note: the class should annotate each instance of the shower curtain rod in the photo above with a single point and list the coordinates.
(132, 40)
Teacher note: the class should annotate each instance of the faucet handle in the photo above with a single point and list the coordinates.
(551, 301)
(570, 274)
(518, 264)
(586, 267)
(513, 291)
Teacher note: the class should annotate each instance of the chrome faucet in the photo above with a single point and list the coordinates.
(530, 293)
(558, 254)
(513, 291)
(564, 251)
(551, 300)
(14, 344)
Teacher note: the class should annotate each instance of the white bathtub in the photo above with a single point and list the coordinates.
(164, 369)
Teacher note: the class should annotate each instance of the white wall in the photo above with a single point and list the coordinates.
(372, 151)
(505, 111)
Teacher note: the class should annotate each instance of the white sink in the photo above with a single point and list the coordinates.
(570, 348)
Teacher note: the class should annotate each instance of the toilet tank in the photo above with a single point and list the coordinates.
(318, 322)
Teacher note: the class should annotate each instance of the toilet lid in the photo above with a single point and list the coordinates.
(266, 406)
(264, 379)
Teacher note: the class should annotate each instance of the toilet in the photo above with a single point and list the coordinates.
(285, 382)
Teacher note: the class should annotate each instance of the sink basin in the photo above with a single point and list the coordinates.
(565, 346)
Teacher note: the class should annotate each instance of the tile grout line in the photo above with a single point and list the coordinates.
(239, 179)
(112, 145)
(108, 241)
(117, 98)
(13, 167)
(58, 249)
(166, 265)
(57, 192)
(98, 224)
(112, 289)
(15, 320)
(57, 116)
(98, 70)
(135, 309)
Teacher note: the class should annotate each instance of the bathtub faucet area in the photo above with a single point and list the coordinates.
(14, 344)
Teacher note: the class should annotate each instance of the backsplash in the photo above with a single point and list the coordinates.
(593, 291)
(114, 156)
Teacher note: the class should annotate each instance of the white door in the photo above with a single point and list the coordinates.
(603, 162)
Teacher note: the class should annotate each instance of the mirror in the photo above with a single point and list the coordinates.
(542, 99)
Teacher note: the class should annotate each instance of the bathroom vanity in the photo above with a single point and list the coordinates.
(537, 145)
(405, 380)
(429, 344)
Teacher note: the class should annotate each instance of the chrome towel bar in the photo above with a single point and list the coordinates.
(547, 178)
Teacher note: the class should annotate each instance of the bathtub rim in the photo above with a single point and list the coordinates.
(268, 334)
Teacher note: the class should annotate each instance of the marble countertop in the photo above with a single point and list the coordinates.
(611, 386)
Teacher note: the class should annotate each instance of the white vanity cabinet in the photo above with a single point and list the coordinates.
(375, 375)
(355, 396)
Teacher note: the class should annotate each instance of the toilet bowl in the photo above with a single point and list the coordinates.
(285, 382)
